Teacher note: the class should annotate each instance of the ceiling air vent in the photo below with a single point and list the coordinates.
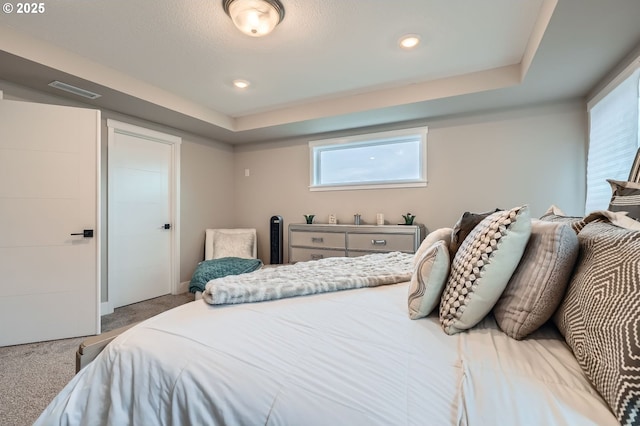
(73, 89)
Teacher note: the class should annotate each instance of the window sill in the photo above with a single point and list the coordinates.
(367, 186)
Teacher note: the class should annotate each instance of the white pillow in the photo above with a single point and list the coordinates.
(227, 244)
(442, 234)
(482, 267)
(428, 279)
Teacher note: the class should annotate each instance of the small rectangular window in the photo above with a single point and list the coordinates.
(393, 159)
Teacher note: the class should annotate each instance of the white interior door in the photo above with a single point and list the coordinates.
(49, 278)
(141, 224)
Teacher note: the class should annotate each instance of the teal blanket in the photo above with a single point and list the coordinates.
(217, 268)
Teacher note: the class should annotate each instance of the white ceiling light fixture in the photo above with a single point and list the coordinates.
(409, 41)
(241, 84)
(255, 18)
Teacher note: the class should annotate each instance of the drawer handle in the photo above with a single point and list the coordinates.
(317, 240)
(316, 256)
(379, 242)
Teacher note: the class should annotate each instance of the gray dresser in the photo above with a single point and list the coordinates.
(313, 242)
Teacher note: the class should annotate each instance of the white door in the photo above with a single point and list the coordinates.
(49, 278)
(141, 224)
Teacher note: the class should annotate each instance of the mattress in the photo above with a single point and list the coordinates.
(349, 357)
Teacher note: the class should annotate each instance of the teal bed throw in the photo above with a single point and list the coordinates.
(217, 268)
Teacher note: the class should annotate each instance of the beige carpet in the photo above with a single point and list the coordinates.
(31, 375)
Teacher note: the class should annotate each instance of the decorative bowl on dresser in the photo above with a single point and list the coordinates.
(313, 242)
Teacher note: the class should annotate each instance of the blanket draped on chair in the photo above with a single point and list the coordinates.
(218, 268)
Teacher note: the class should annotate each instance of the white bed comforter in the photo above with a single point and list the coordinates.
(346, 358)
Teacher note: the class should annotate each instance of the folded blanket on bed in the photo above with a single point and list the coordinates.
(218, 268)
(331, 274)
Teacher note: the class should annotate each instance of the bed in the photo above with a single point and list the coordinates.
(346, 357)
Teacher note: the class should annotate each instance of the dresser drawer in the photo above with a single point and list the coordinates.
(317, 239)
(381, 242)
(299, 254)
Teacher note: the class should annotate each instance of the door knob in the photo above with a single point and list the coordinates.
(167, 226)
(87, 233)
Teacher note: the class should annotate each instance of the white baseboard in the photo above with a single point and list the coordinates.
(183, 287)
(106, 308)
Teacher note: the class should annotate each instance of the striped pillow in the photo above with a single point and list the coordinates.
(625, 197)
(428, 279)
(600, 315)
(538, 284)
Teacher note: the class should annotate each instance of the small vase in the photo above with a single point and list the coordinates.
(309, 218)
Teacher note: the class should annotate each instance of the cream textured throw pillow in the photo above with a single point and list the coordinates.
(537, 286)
(482, 267)
(428, 279)
(229, 244)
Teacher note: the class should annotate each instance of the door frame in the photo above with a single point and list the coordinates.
(119, 127)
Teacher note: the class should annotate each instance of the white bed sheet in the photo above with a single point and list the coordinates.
(345, 358)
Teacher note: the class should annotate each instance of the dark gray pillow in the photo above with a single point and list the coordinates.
(463, 228)
(600, 315)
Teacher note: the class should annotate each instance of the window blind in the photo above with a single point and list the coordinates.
(613, 140)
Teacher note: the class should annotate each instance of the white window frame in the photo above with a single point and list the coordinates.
(368, 139)
(612, 166)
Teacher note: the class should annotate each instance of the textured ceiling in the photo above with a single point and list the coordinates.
(330, 65)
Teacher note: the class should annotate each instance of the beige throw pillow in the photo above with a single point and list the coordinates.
(554, 214)
(428, 279)
(538, 284)
(482, 267)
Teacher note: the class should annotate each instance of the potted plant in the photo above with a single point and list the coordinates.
(408, 218)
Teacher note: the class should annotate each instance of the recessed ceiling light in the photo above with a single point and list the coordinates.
(409, 41)
(241, 84)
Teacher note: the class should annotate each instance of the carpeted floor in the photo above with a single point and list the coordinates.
(31, 375)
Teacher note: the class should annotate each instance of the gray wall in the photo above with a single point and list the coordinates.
(207, 191)
(532, 156)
